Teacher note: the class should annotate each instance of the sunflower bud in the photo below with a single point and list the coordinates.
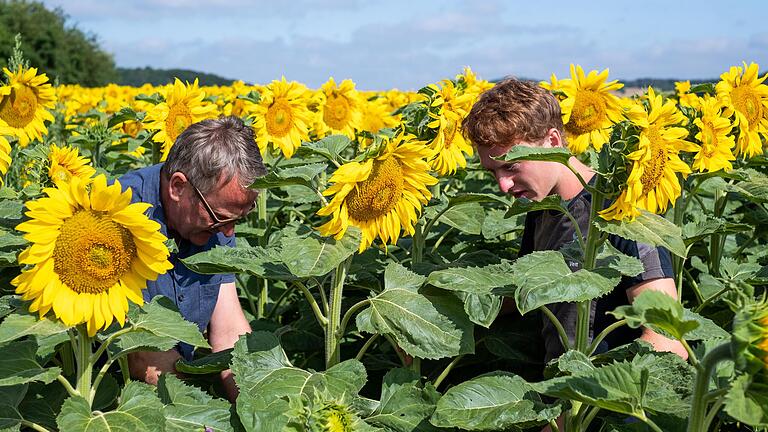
(749, 342)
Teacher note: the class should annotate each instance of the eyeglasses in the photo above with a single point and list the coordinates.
(217, 222)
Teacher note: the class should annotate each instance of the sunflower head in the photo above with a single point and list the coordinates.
(745, 96)
(340, 109)
(749, 340)
(91, 251)
(25, 103)
(65, 163)
(381, 195)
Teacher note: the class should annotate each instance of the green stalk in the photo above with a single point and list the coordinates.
(590, 255)
(417, 247)
(248, 296)
(84, 363)
(699, 401)
(332, 334)
(678, 262)
(264, 283)
(717, 240)
(447, 370)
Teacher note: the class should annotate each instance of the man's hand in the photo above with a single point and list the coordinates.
(147, 366)
(228, 323)
(659, 342)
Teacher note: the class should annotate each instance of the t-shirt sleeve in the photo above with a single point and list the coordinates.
(657, 262)
(134, 182)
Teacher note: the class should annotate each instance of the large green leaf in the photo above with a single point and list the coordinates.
(650, 229)
(249, 259)
(141, 340)
(314, 255)
(492, 402)
(755, 189)
(496, 223)
(467, 217)
(413, 321)
(475, 280)
(212, 363)
(397, 276)
(18, 365)
(747, 401)
(162, 318)
(10, 397)
(42, 403)
(139, 410)
(10, 213)
(543, 278)
(22, 323)
(524, 152)
(189, 408)
(658, 311)
(329, 147)
(482, 309)
(524, 205)
(612, 258)
(405, 404)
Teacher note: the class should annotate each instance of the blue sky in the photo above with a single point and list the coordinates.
(408, 44)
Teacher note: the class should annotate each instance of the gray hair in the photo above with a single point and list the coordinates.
(210, 149)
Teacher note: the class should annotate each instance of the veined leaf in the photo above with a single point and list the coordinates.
(329, 147)
(524, 152)
(139, 410)
(189, 408)
(524, 205)
(650, 229)
(658, 311)
(543, 278)
(22, 323)
(18, 365)
(476, 280)
(314, 255)
(162, 318)
(747, 401)
(493, 402)
(215, 362)
(406, 404)
(253, 260)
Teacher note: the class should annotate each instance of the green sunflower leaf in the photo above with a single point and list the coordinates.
(650, 229)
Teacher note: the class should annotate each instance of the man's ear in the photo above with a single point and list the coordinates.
(176, 186)
(554, 138)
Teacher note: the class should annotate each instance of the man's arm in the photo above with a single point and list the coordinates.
(659, 342)
(228, 323)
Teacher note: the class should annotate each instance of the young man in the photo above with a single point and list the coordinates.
(521, 113)
(197, 196)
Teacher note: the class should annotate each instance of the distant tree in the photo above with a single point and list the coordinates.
(62, 51)
(138, 76)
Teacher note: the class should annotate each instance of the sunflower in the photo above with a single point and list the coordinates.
(653, 182)
(716, 143)
(684, 95)
(91, 252)
(381, 195)
(183, 106)
(377, 115)
(65, 163)
(5, 156)
(744, 94)
(340, 108)
(24, 104)
(555, 86)
(589, 109)
(449, 145)
(749, 338)
(282, 117)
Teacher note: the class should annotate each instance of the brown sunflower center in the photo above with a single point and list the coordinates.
(337, 111)
(92, 252)
(18, 108)
(587, 114)
(179, 118)
(654, 168)
(748, 103)
(279, 118)
(379, 194)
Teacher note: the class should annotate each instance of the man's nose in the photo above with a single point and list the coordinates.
(505, 183)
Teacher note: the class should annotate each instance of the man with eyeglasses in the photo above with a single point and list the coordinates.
(198, 195)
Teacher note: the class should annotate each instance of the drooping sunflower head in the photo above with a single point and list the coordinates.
(65, 163)
(382, 195)
(282, 116)
(589, 108)
(340, 108)
(449, 144)
(749, 339)
(184, 104)
(25, 103)
(91, 251)
(684, 97)
(5, 156)
(745, 96)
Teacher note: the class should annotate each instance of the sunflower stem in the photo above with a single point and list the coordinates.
(332, 334)
(699, 400)
(417, 248)
(717, 240)
(85, 360)
(594, 239)
(263, 282)
(67, 386)
(678, 262)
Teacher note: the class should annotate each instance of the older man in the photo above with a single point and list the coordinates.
(197, 196)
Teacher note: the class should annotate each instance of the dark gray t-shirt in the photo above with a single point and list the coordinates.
(552, 230)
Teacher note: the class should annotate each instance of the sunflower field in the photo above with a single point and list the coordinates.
(375, 267)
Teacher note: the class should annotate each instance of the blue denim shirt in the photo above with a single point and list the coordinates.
(193, 293)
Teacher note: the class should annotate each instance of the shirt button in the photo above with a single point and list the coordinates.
(180, 297)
